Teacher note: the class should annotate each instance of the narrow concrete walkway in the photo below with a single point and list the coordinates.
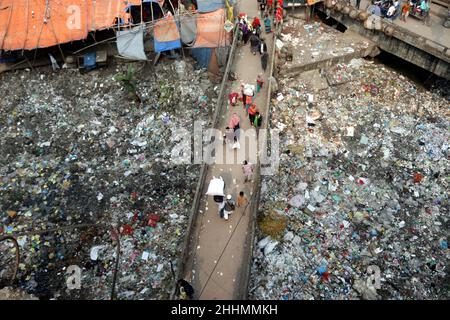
(216, 263)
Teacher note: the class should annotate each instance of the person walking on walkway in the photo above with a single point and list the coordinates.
(280, 3)
(247, 169)
(242, 26)
(233, 97)
(270, 6)
(249, 91)
(264, 54)
(185, 289)
(245, 31)
(405, 11)
(358, 3)
(229, 207)
(243, 94)
(264, 60)
(241, 200)
(254, 42)
(262, 46)
(267, 23)
(425, 7)
(262, 7)
(259, 83)
(257, 121)
(278, 19)
(256, 24)
(252, 113)
(229, 136)
(234, 122)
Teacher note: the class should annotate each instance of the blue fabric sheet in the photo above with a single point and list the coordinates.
(90, 60)
(203, 56)
(210, 5)
(166, 46)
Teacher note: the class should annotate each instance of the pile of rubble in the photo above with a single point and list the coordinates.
(83, 165)
(363, 182)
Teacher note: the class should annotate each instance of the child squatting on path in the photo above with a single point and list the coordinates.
(241, 200)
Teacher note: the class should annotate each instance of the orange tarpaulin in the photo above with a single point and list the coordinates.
(210, 30)
(166, 29)
(311, 2)
(29, 24)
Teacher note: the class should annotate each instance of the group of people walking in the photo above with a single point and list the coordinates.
(249, 31)
(248, 93)
(227, 207)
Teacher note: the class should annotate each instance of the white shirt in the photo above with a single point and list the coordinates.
(391, 11)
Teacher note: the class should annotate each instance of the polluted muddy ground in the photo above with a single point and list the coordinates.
(359, 206)
(85, 161)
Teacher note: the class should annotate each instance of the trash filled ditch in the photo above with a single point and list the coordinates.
(362, 187)
(85, 163)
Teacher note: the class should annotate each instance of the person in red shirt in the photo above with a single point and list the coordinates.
(233, 97)
(256, 23)
(278, 19)
(279, 15)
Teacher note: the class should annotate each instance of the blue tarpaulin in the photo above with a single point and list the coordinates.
(90, 60)
(167, 45)
(203, 56)
(166, 34)
(4, 60)
(210, 5)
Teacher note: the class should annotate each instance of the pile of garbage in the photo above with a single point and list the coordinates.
(303, 43)
(83, 167)
(363, 183)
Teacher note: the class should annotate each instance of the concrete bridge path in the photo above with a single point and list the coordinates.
(216, 261)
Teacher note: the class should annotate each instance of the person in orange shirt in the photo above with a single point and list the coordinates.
(252, 113)
(405, 11)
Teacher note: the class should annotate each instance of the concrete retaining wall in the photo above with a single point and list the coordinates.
(326, 63)
(404, 44)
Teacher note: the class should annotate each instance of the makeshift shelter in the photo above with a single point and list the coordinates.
(209, 5)
(130, 43)
(188, 29)
(30, 24)
(210, 30)
(166, 34)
